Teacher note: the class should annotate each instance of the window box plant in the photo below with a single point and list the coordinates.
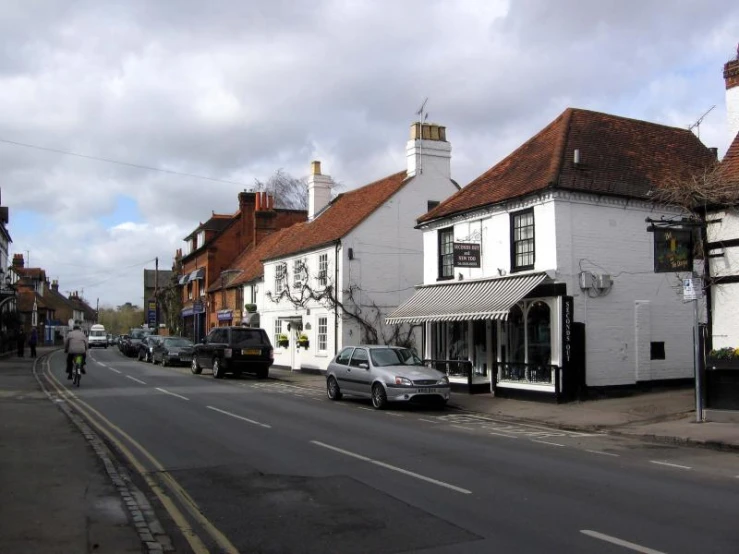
(283, 341)
(723, 358)
(303, 341)
(250, 308)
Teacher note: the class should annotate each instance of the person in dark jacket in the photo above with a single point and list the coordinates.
(21, 342)
(32, 341)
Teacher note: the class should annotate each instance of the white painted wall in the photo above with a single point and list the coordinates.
(725, 297)
(495, 228)
(609, 236)
(732, 111)
(575, 233)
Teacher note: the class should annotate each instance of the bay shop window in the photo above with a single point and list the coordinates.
(521, 351)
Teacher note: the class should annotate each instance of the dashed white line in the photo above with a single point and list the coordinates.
(620, 542)
(365, 408)
(678, 466)
(502, 435)
(393, 468)
(462, 427)
(549, 443)
(172, 393)
(602, 453)
(113, 369)
(134, 379)
(393, 414)
(427, 420)
(224, 412)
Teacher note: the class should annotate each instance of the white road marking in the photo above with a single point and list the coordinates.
(393, 414)
(427, 420)
(626, 544)
(546, 442)
(224, 412)
(678, 466)
(602, 453)
(113, 369)
(172, 393)
(392, 468)
(502, 435)
(365, 408)
(134, 379)
(462, 427)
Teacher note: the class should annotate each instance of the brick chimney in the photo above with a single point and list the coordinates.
(428, 152)
(247, 206)
(18, 260)
(55, 285)
(264, 217)
(319, 190)
(731, 78)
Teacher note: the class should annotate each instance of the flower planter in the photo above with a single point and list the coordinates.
(283, 341)
(722, 363)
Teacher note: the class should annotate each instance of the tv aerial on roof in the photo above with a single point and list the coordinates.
(697, 124)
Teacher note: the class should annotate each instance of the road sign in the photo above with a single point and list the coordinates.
(692, 289)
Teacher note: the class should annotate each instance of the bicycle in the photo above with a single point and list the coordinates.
(77, 370)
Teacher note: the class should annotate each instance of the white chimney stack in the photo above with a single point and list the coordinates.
(428, 152)
(731, 78)
(319, 190)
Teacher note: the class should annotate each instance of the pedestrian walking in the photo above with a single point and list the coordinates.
(21, 342)
(32, 340)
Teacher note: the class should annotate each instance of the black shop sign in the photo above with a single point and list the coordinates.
(466, 254)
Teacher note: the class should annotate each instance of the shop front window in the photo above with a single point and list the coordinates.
(538, 333)
(528, 349)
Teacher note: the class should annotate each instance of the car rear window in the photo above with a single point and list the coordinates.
(178, 342)
(248, 337)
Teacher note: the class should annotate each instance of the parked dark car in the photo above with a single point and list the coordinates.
(146, 348)
(234, 350)
(173, 351)
(121, 341)
(131, 344)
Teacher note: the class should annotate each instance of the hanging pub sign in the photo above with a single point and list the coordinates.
(673, 250)
(466, 254)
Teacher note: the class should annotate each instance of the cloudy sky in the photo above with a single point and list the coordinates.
(236, 89)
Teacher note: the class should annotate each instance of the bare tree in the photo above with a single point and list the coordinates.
(288, 191)
(366, 313)
(707, 188)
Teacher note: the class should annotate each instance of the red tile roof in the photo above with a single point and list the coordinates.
(249, 262)
(619, 156)
(30, 272)
(342, 215)
(730, 164)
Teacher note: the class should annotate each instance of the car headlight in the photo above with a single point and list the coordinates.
(443, 381)
(403, 381)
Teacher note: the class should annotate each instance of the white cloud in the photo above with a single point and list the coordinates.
(236, 90)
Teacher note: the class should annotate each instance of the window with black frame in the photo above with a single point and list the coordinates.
(446, 253)
(522, 240)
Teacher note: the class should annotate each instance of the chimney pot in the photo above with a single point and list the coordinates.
(714, 151)
(315, 167)
(270, 202)
(259, 202)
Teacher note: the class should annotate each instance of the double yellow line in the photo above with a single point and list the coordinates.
(96, 419)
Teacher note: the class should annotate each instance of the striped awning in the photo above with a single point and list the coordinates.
(197, 274)
(183, 279)
(466, 300)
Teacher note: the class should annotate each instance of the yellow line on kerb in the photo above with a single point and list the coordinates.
(196, 544)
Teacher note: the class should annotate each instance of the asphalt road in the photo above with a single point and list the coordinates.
(262, 466)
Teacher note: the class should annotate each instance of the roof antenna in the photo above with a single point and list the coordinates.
(697, 124)
(422, 117)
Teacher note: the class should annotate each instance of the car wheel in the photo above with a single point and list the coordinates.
(262, 373)
(379, 397)
(217, 369)
(195, 367)
(332, 389)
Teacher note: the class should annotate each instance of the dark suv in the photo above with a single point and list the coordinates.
(234, 350)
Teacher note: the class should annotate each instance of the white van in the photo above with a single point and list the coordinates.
(98, 336)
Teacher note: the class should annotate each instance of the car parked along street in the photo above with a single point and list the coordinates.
(385, 374)
(234, 350)
(173, 351)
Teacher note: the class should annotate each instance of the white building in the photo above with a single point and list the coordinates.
(539, 274)
(333, 279)
(723, 232)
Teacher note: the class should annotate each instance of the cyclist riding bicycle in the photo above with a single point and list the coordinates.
(75, 343)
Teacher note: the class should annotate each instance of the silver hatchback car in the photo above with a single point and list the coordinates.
(384, 374)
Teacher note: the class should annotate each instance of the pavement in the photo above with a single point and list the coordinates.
(57, 495)
(664, 416)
